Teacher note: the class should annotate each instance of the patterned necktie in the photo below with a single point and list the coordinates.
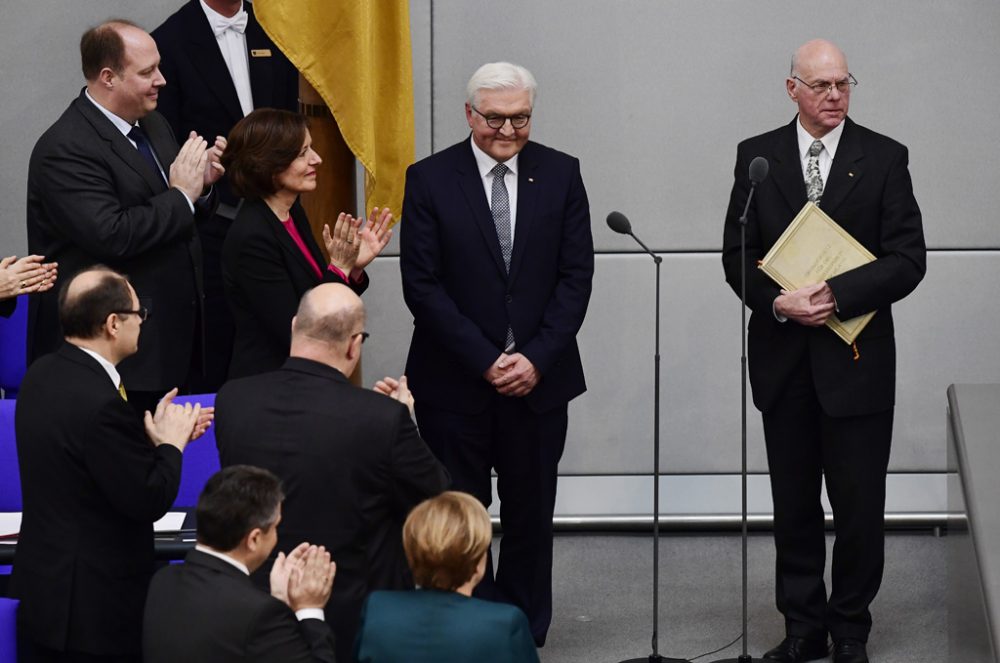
(121, 391)
(138, 136)
(501, 219)
(814, 181)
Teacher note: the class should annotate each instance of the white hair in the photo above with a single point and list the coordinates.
(500, 76)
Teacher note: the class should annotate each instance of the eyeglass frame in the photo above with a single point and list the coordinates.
(490, 119)
(142, 312)
(363, 334)
(819, 88)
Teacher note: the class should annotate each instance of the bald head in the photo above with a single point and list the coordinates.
(815, 53)
(86, 301)
(329, 313)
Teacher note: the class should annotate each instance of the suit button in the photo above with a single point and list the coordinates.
(508, 299)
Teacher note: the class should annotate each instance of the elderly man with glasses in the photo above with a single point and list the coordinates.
(827, 406)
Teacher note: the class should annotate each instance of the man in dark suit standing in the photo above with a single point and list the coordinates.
(497, 258)
(351, 460)
(208, 610)
(93, 482)
(220, 65)
(827, 406)
(107, 184)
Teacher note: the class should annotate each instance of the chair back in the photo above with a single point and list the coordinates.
(201, 458)
(8, 630)
(10, 476)
(13, 340)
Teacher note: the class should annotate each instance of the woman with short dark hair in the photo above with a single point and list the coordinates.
(446, 539)
(270, 258)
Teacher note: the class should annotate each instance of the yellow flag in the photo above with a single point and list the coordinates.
(356, 54)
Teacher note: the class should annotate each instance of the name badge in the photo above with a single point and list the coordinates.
(260, 52)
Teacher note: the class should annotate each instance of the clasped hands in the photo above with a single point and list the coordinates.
(353, 247)
(197, 166)
(512, 375)
(303, 578)
(176, 424)
(27, 275)
(811, 305)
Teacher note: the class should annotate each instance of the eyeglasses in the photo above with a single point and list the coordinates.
(363, 334)
(497, 121)
(825, 87)
(142, 312)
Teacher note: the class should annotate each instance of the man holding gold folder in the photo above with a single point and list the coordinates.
(827, 406)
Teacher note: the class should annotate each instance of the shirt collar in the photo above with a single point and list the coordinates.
(223, 556)
(106, 365)
(485, 162)
(830, 141)
(120, 124)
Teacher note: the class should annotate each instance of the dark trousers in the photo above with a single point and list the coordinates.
(803, 445)
(524, 447)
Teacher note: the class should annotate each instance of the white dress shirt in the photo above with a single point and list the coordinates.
(112, 372)
(830, 142)
(229, 33)
(486, 164)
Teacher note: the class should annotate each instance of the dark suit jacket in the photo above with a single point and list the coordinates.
(352, 465)
(200, 95)
(428, 626)
(206, 610)
(265, 275)
(7, 306)
(459, 292)
(93, 199)
(93, 484)
(869, 193)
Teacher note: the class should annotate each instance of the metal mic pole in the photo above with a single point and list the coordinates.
(744, 657)
(623, 227)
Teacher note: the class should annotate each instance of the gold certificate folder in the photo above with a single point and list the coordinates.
(812, 249)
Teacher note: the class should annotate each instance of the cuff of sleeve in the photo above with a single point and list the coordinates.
(338, 271)
(777, 316)
(309, 613)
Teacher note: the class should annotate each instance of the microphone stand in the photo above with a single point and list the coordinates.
(655, 656)
(744, 657)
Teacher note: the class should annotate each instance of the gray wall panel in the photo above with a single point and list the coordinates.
(653, 96)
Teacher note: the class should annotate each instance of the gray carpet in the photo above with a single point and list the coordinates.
(603, 600)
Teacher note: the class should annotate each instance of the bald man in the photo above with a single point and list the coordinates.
(827, 406)
(108, 184)
(351, 460)
(93, 482)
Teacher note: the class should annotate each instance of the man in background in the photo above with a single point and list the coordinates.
(206, 609)
(107, 184)
(93, 481)
(220, 66)
(351, 461)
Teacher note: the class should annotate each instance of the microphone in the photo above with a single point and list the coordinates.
(620, 224)
(758, 172)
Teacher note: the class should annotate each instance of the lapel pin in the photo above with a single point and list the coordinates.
(850, 174)
(531, 179)
(260, 53)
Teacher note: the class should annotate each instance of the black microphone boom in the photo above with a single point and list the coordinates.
(758, 171)
(620, 224)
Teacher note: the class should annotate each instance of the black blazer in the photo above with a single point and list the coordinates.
(93, 199)
(200, 95)
(93, 484)
(265, 275)
(207, 610)
(458, 290)
(870, 194)
(352, 465)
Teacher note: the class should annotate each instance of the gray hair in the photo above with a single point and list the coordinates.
(500, 76)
